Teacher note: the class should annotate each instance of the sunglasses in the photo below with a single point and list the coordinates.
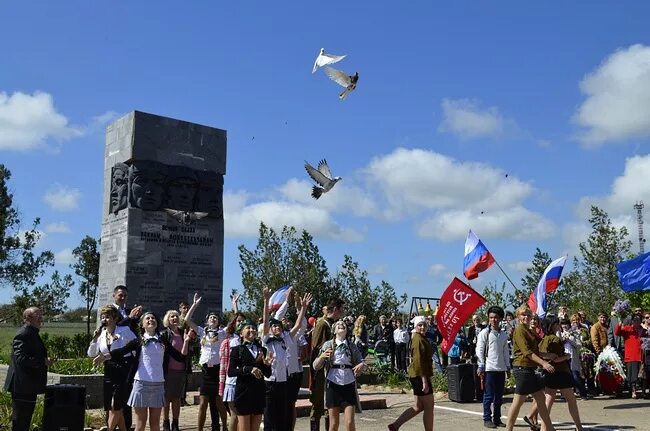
(647, 317)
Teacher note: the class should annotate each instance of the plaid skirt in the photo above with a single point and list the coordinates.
(147, 394)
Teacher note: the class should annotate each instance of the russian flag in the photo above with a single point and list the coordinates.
(278, 298)
(477, 257)
(547, 284)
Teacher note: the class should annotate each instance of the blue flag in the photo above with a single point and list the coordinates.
(634, 274)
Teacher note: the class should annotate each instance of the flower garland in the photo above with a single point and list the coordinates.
(609, 369)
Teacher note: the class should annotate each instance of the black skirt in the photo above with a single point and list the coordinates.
(559, 380)
(527, 380)
(116, 385)
(210, 381)
(416, 384)
(340, 396)
(633, 371)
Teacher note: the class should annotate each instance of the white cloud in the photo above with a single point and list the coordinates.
(343, 198)
(516, 223)
(64, 257)
(437, 269)
(62, 198)
(377, 270)
(617, 98)
(57, 227)
(414, 180)
(632, 186)
(521, 266)
(465, 119)
(28, 121)
(242, 219)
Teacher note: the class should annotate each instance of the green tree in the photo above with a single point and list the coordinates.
(593, 285)
(282, 259)
(495, 296)
(86, 267)
(359, 295)
(49, 297)
(20, 265)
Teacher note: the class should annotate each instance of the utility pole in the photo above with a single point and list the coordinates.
(639, 221)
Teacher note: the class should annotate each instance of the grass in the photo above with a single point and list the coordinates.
(7, 333)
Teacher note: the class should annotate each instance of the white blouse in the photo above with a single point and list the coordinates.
(280, 363)
(341, 376)
(210, 346)
(121, 337)
(150, 365)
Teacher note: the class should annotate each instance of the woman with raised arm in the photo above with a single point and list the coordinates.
(174, 370)
(112, 339)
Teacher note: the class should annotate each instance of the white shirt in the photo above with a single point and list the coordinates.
(122, 336)
(401, 335)
(341, 376)
(280, 364)
(498, 352)
(210, 346)
(121, 310)
(150, 365)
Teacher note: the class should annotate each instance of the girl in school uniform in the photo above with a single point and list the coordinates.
(226, 383)
(211, 337)
(249, 363)
(343, 363)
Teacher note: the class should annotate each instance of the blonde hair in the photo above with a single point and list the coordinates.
(523, 309)
(358, 325)
(168, 314)
(110, 311)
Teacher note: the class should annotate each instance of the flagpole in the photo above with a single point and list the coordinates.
(504, 273)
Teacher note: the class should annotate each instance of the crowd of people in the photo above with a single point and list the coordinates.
(252, 371)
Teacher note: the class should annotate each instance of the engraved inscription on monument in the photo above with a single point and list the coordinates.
(162, 229)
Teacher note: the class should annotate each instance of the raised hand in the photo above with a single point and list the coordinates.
(266, 292)
(190, 334)
(136, 312)
(196, 298)
(306, 300)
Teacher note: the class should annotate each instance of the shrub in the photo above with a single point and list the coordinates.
(37, 417)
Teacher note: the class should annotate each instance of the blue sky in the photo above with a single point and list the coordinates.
(451, 98)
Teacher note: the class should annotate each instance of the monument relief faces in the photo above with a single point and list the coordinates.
(181, 188)
(154, 186)
(119, 187)
(147, 185)
(210, 195)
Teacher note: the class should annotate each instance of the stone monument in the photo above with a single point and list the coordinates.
(162, 219)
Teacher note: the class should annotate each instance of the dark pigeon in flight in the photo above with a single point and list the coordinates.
(323, 178)
(349, 82)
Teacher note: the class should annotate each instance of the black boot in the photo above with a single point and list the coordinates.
(327, 423)
(314, 425)
(175, 425)
(166, 425)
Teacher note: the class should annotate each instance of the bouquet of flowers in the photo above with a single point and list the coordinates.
(621, 306)
(609, 369)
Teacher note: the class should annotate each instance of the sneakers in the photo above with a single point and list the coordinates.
(489, 424)
(500, 424)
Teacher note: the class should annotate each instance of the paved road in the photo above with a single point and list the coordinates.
(600, 414)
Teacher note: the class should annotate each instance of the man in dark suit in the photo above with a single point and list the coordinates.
(27, 375)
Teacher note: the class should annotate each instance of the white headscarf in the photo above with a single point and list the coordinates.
(417, 320)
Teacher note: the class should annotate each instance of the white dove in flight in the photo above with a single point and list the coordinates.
(343, 79)
(323, 177)
(324, 59)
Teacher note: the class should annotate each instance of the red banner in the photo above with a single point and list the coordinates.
(458, 302)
